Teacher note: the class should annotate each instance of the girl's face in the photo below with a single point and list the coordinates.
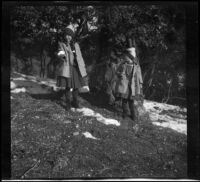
(68, 38)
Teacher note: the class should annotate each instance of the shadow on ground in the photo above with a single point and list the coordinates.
(100, 100)
(56, 97)
(90, 99)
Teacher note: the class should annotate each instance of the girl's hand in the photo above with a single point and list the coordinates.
(61, 53)
(121, 76)
(111, 99)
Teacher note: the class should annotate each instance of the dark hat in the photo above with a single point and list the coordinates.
(69, 31)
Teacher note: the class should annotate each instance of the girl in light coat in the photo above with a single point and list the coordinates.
(71, 70)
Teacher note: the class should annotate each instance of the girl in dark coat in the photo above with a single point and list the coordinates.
(129, 82)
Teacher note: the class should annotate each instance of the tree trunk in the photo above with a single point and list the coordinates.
(17, 64)
(42, 64)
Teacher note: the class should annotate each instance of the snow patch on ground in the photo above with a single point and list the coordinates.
(161, 114)
(19, 78)
(18, 90)
(181, 128)
(178, 122)
(12, 85)
(47, 82)
(159, 107)
(98, 116)
(89, 135)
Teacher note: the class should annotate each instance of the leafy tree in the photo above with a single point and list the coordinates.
(157, 30)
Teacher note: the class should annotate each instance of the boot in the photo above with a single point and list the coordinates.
(133, 111)
(126, 123)
(68, 99)
(68, 106)
(125, 109)
(60, 94)
(75, 99)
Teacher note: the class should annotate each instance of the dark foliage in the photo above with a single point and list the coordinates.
(158, 32)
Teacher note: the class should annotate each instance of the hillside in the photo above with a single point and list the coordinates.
(92, 142)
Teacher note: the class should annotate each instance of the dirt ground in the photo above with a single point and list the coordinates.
(48, 142)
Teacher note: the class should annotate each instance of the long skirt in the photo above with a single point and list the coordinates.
(76, 81)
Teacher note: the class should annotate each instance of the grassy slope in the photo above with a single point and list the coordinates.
(47, 142)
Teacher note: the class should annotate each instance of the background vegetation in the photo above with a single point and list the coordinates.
(102, 31)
